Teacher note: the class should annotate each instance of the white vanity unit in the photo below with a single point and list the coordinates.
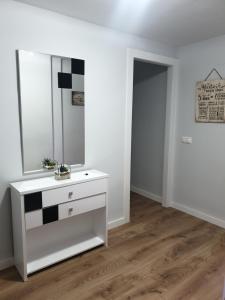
(54, 220)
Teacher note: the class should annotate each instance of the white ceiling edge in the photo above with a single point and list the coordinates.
(153, 45)
(174, 23)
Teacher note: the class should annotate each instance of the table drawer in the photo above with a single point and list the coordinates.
(73, 192)
(33, 219)
(74, 208)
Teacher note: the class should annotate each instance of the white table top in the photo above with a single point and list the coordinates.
(46, 183)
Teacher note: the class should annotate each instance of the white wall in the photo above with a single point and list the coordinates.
(148, 122)
(29, 28)
(200, 167)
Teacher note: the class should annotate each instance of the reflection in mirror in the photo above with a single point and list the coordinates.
(51, 109)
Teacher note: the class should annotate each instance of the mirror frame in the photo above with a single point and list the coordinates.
(74, 167)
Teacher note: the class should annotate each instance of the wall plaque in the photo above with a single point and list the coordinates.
(210, 101)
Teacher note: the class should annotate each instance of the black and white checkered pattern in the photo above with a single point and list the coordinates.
(33, 202)
(65, 79)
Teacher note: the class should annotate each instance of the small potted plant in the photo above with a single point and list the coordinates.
(63, 172)
(49, 163)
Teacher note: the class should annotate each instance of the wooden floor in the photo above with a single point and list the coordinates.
(161, 254)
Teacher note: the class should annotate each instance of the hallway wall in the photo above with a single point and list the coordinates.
(149, 108)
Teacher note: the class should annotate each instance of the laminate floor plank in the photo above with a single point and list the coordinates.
(161, 254)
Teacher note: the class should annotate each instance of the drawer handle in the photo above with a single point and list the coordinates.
(70, 210)
(70, 194)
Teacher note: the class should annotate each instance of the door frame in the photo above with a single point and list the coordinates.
(170, 124)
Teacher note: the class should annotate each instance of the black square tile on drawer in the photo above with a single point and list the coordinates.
(33, 201)
(50, 214)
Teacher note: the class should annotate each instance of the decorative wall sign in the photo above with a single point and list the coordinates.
(210, 101)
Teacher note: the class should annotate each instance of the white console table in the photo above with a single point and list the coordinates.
(54, 220)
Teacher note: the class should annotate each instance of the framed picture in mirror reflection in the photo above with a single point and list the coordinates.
(77, 98)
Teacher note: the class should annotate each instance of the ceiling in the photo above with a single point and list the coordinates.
(175, 22)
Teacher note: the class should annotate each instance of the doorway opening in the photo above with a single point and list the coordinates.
(171, 64)
(148, 129)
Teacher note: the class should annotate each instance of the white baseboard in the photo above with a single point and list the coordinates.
(6, 263)
(116, 223)
(199, 214)
(146, 194)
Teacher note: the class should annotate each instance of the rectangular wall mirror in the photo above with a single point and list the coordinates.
(52, 101)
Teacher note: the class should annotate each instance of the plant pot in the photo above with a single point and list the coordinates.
(48, 167)
(62, 176)
(49, 164)
(65, 174)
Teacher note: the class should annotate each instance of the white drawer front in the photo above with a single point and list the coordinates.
(74, 208)
(73, 192)
(33, 219)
